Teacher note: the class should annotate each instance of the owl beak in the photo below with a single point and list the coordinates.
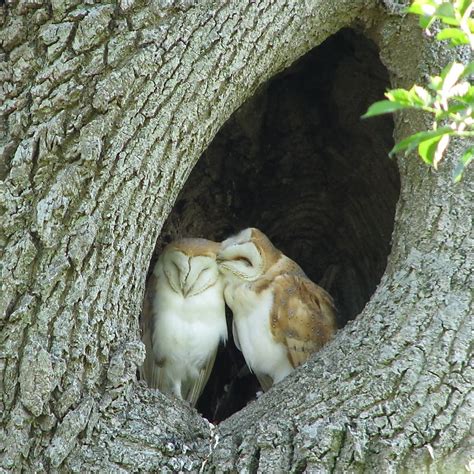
(220, 263)
(219, 257)
(223, 254)
(186, 288)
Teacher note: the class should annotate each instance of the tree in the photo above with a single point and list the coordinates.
(451, 99)
(106, 109)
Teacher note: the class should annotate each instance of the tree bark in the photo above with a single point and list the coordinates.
(106, 109)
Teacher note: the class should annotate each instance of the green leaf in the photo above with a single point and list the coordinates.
(455, 36)
(447, 14)
(422, 7)
(426, 21)
(440, 149)
(417, 8)
(436, 82)
(427, 149)
(454, 108)
(450, 74)
(463, 164)
(468, 70)
(470, 24)
(423, 95)
(446, 9)
(449, 21)
(401, 96)
(383, 107)
(468, 98)
(412, 141)
(463, 5)
(459, 90)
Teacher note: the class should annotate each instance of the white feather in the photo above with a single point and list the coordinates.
(251, 313)
(187, 330)
(184, 320)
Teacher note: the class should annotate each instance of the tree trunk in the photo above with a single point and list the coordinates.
(106, 109)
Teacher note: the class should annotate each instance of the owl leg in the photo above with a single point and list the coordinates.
(176, 388)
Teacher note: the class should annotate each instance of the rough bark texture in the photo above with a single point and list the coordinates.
(297, 162)
(106, 109)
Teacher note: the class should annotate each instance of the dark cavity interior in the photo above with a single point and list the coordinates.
(297, 161)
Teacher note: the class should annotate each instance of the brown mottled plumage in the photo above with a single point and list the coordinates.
(280, 316)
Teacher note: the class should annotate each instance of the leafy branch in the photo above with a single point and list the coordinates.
(449, 97)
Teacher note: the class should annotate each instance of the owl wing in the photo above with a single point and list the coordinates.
(303, 316)
(236, 335)
(265, 381)
(195, 390)
(150, 370)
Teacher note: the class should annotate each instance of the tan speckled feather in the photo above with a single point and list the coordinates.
(303, 316)
(280, 316)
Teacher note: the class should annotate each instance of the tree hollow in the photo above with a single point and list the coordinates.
(297, 161)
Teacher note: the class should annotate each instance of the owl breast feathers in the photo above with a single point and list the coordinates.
(183, 319)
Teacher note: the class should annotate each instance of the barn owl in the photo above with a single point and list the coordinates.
(183, 318)
(280, 317)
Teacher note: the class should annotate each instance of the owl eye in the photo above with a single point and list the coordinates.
(244, 260)
(203, 273)
(176, 267)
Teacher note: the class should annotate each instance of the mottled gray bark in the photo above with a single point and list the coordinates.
(105, 110)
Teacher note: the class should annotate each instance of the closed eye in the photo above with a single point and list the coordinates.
(204, 270)
(244, 260)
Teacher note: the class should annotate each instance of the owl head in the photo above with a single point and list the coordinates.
(189, 265)
(247, 255)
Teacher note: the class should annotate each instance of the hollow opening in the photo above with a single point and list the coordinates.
(297, 162)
